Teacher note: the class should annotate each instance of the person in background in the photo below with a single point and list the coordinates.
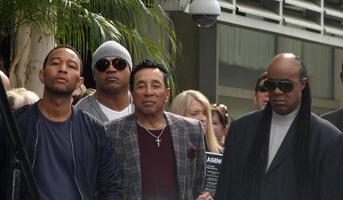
(70, 154)
(19, 97)
(162, 154)
(261, 96)
(81, 92)
(221, 121)
(194, 104)
(111, 65)
(335, 116)
(284, 151)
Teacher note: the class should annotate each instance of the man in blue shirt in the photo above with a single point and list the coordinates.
(70, 154)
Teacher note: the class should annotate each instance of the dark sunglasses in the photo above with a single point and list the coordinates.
(261, 88)
(103, 64)
(284, 86)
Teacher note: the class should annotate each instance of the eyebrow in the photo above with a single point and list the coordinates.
(59, 58)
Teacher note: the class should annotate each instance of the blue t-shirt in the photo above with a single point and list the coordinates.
(54, 165)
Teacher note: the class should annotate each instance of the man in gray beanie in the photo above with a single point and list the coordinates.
(111, 67)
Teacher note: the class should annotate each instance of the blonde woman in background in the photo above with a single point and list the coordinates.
(194, 104)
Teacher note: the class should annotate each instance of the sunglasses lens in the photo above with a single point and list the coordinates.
(102, 65)
(269, 85)
(261, 88)
(285, 86)
(119, 63)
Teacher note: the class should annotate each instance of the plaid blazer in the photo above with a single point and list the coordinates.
(188, 141)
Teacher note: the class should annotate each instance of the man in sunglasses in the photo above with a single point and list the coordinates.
(261, 96)
(111, 65)
(284, 151)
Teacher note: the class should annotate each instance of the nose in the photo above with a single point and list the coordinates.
(148, 90)
(276, 91)
(63, 67)
(111, 67)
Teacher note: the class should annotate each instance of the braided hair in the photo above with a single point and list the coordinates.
(254, 172)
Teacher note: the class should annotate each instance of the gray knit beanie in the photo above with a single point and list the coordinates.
(109, 49)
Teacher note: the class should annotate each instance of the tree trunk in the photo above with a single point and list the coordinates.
(32, 45)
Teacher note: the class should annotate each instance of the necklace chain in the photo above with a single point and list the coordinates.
(158, 140)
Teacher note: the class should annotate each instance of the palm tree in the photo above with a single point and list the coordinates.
(145, 30)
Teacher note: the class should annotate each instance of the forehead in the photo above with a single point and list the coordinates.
(196, 104)
(64, 53)
(215, 115)
(149, 74)
(284, 67)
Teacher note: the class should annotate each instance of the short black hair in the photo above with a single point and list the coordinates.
(66, 46)
(147, 64)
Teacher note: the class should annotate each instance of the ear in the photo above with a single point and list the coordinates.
(303, 83)
(81, 81)
(168, 94)
(41, 75)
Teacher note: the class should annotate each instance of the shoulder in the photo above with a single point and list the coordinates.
(250, 118)
(85, 116)
(323, 125)
(27, 112)
(88, 100)
(120, 123)
(333, 114)
(323, 133)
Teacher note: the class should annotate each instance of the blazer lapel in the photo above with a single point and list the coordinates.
(132, 155)
(286, 147)
(180, 151)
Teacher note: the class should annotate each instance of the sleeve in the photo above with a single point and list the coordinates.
(200, 163)
(109, 176)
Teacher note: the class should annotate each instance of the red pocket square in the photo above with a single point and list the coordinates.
(192, 152)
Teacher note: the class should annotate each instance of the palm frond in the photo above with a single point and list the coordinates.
(85, 24)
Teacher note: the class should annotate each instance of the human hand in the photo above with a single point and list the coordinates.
(205, 196)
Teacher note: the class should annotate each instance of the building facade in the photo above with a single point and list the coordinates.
(225, 60)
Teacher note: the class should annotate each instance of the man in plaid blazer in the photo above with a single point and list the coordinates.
(162, 154)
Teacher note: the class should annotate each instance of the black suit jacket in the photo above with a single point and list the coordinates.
(279, 182)
(335, 117)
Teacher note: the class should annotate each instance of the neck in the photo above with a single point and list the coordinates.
(151, 121)
(55, 108)
(117, 102)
